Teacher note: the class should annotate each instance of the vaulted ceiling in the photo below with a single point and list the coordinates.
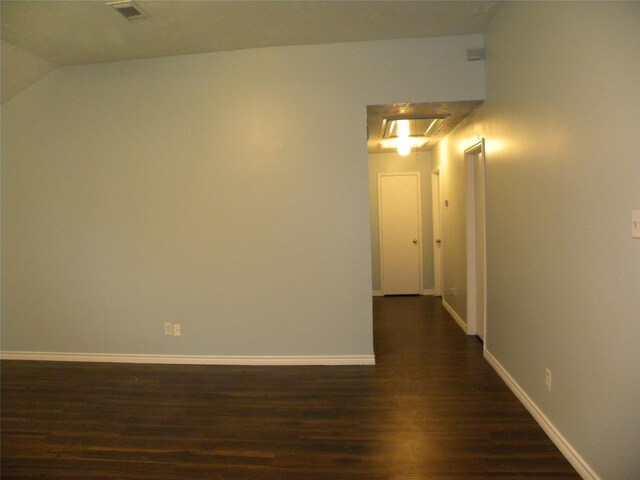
(79, 32)
(39, 36)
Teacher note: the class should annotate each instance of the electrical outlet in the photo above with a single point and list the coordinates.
(168, 328)
(177, 331)
(547, 379)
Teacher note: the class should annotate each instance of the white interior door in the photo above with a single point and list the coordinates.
(400, 227)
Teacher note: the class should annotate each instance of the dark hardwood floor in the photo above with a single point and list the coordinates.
(431, 408)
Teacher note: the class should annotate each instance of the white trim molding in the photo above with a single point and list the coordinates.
(461, 323)
(579, 463)
(377, 293)
(427, 293)
(192, 359)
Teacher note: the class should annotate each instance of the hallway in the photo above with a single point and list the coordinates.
(431, 408)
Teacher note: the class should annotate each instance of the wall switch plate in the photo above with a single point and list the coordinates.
(168, 328)
(635, 223)
(547, 379)
(177, 331)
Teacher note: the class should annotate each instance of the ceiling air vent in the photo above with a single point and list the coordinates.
(128, 9)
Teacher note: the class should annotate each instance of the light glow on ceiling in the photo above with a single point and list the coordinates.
(403, 134)
(401, 144)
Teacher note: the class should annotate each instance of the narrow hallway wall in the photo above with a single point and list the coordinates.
(561, 126)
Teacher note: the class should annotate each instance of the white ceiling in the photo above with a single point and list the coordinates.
(81, 32)
(39, 36)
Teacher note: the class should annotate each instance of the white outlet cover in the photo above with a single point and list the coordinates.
(177, 331)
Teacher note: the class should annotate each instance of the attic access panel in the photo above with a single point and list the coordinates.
(452, 113)
(415, 126)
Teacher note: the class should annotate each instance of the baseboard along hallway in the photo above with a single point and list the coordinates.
(431, 408)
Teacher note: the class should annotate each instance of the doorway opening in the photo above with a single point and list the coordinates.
(389, 128)
(476, 240)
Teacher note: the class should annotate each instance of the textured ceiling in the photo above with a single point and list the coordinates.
(81, 32)
(452, 114)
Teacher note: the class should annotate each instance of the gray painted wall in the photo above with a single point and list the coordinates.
(561, 125)
(227, 192)
(449, 156)
(393, 162)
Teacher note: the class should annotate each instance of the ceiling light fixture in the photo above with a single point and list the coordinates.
(406, 133)
(404, 144)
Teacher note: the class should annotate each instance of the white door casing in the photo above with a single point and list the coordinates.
(481, 258)
(400, 232)
(476, 240)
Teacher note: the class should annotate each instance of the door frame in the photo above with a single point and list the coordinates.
(473, 155)
(436, 209)
(380, 232)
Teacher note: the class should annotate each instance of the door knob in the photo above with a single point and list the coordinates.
(438, 242)
(415, 240)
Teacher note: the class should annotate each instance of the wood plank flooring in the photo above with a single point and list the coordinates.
(431, 408)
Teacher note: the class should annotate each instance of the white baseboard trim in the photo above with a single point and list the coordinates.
(427, 293)
(455, 316)
(579, 463)
(191, 359)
